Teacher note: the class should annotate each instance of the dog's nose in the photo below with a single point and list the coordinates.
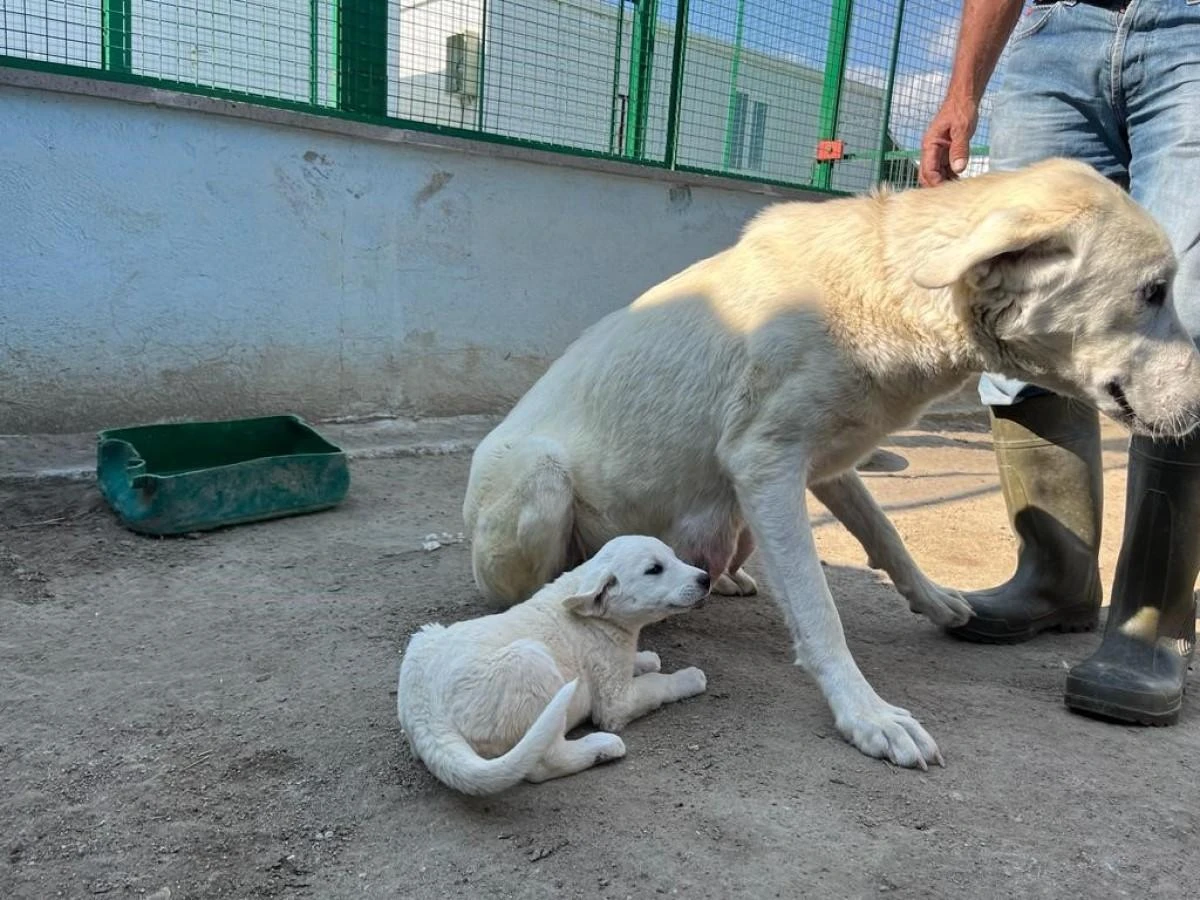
(704, 580)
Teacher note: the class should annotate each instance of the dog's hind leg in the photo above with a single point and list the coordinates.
(709, 540)
(523, 535)
(852, 504)
(736, 582)
(568, 757)
(646, 661)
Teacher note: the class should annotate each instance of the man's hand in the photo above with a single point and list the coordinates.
(982, 34)
(946, 146)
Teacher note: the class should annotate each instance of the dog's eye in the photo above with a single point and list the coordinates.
(655, 569)
(1155, 294)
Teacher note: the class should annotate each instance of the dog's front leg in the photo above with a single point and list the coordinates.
(633, 698)
(770, 490)
(849, 500)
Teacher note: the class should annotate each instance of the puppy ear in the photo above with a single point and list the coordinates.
(592, 598)
(1001, 232)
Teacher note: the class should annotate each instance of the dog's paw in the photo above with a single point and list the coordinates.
(735, 584)
(942, 606)
(889, 732)
(605, 746)
(690, 682)
(646, 661)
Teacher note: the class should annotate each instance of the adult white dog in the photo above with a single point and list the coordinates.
(700, 412)
(487, 703)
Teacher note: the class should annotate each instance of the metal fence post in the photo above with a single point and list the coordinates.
(831, 90)
(616, 80)
(314, 52)
(483, 38)
(641, 65)
(735, 65)
(116, 37)
(885, 139)
(362, 56)
(675, 100)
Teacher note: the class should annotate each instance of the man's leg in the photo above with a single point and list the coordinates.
(1138, 674)
(1048, 447)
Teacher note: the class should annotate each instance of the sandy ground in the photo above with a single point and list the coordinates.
(215, 717)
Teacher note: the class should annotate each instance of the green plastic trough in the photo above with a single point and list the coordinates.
(196, 476)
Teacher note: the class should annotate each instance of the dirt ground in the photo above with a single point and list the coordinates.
(215, 717)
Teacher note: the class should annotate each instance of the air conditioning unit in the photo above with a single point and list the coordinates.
(462, 65)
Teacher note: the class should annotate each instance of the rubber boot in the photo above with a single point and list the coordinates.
(1048, 451)
(1139, 673)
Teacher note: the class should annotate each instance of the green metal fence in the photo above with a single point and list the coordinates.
(828, 94)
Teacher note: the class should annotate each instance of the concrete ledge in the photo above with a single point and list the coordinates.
(72, 457)
(29, 458)
(254, 112)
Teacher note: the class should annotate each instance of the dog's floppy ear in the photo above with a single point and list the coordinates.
(1000, 232)
(592, 597)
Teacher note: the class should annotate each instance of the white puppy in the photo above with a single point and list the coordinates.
(487, 703)
(700, 413)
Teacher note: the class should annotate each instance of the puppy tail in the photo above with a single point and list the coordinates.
(457, 765)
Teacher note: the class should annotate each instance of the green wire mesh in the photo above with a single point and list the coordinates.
(66, 33)
(753, 77)
(748, 88)
(916, 67)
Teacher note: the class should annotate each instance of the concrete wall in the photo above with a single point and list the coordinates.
(162, 262)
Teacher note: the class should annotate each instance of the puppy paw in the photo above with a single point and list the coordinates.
(942, 606)
(735, 584)
(646, 661)
(605, 746)
(690, 682)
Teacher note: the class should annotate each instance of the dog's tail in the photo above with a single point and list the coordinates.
(454, 763)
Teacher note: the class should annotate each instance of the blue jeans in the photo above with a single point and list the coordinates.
(1121, 91)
